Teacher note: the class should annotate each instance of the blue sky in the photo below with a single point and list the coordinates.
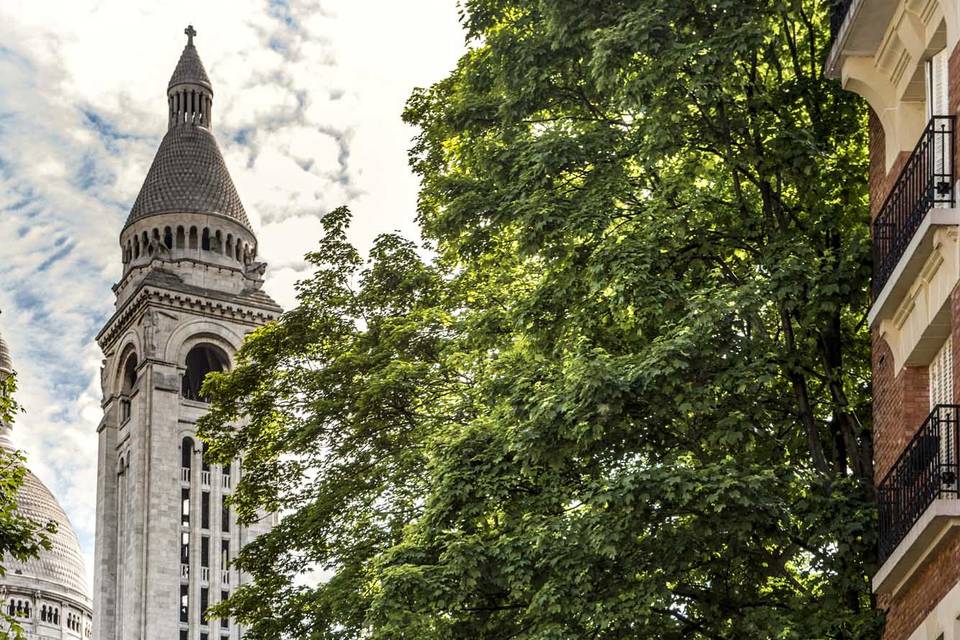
(308, 96)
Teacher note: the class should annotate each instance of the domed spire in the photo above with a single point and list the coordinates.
(190, 69)
(189, 92)
(188, 174)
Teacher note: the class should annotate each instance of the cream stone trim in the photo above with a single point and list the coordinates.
(888, 69)
(908, 269)
(920, 324)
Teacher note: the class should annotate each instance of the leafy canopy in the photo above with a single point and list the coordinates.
(628, 397)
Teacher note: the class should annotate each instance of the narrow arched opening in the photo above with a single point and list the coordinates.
(128, 382)
(201, 360)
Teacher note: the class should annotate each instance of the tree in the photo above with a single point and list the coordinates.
(630, 396)
(20, 537)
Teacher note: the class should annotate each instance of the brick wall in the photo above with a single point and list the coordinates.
(900, 405)
(929, 585)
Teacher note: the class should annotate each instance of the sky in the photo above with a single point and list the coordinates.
(308, 96)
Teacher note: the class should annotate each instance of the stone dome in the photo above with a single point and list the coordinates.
(6, 363)
(61, 568)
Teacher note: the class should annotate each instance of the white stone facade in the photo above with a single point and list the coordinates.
(190, 292)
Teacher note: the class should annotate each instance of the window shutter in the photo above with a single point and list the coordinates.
(941, 376)
(938, 92)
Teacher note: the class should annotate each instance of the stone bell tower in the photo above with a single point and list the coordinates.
(190, 291)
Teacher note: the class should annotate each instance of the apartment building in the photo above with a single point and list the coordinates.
(903, 58)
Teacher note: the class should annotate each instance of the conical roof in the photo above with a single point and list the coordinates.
(188, 175)
(190, 70)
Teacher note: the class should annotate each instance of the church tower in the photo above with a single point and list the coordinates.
(190, 291)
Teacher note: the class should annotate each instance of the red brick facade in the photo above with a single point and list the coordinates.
(900, 406)
(928, 586)
(881, 181)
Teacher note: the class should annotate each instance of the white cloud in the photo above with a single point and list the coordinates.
(308, 97)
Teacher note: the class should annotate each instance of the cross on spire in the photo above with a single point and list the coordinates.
(190, 31)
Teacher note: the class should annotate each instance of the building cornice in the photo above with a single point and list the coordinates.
(222, 305)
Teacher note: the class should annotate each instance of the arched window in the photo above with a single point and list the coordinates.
(181, 238)
(193, 237)
(205, 240)
(129, 381)
(201, 360)
(168, 238)
(129, 374)
(186, 453)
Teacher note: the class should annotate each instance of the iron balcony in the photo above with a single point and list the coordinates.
(925, 471)
(925, 182)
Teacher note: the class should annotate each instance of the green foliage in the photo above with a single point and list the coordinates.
(629, 397)
(20, 537)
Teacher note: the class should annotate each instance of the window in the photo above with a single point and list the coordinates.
(224, 622)
(224, 554)
(128, 383)
(205, 510)
(186, 453)
(185, 507)
(184, 548)
(201, 360)
(224, 515)
(184, 634)
(205, 551)
(184, 603)
(941, 376)
(204, 602)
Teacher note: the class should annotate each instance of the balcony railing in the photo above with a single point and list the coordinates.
(838, 12)
(925, 471)
(925, 182)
